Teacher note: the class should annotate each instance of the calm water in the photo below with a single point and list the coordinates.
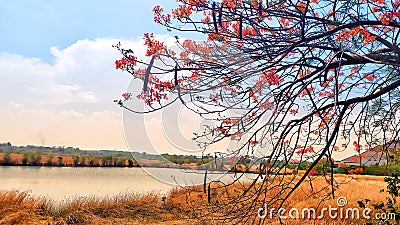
(60, 183)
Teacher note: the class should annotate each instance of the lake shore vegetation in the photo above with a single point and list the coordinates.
(190, 205)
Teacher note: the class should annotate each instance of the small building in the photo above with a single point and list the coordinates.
(367, 158)
(394, 146)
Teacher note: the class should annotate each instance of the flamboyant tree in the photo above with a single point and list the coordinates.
(284, 80)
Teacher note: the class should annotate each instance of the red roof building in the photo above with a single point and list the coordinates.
(366, 158)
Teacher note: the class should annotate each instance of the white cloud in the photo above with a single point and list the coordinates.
(69, 100)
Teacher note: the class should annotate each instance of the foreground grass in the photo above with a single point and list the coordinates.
(178, 207)
(20, 208)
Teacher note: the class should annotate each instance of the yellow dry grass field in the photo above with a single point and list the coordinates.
(179, 206)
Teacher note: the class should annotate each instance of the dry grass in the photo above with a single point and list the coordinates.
(181, 206)
(20, 208)
(354, 188)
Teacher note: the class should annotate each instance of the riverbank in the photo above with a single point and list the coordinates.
(20, 208)
(179, 206)
(31, 155)
(37, 159)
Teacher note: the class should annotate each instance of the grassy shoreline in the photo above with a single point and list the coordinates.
(152, 208)
(128, 208)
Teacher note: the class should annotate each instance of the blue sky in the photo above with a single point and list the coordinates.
(57, 73)
(31, 27)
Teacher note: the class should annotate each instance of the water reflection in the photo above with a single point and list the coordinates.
(59, 183)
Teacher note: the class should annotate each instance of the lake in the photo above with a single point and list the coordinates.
(59, 183)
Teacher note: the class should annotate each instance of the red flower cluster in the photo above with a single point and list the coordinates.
(293, 111)
(306, 150)
(126, 96)
(232, 3)
(224, 131)
(313, 172)
(347, 34)
(304, 92)
(386, 18)
(253, 142)
(367, 36)
(153, 46)
(370, 77)
(159, 17)
(270, 77)
(125, 62)
(357, 146)
(358, 170)
(236, 135)
(183, 11)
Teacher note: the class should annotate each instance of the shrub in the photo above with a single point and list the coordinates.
(378, 170)
(6, 159)
(390, 207)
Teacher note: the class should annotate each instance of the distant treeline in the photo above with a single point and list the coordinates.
(187, 159)
(8, 147)
(32, 155)
(55, 159)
